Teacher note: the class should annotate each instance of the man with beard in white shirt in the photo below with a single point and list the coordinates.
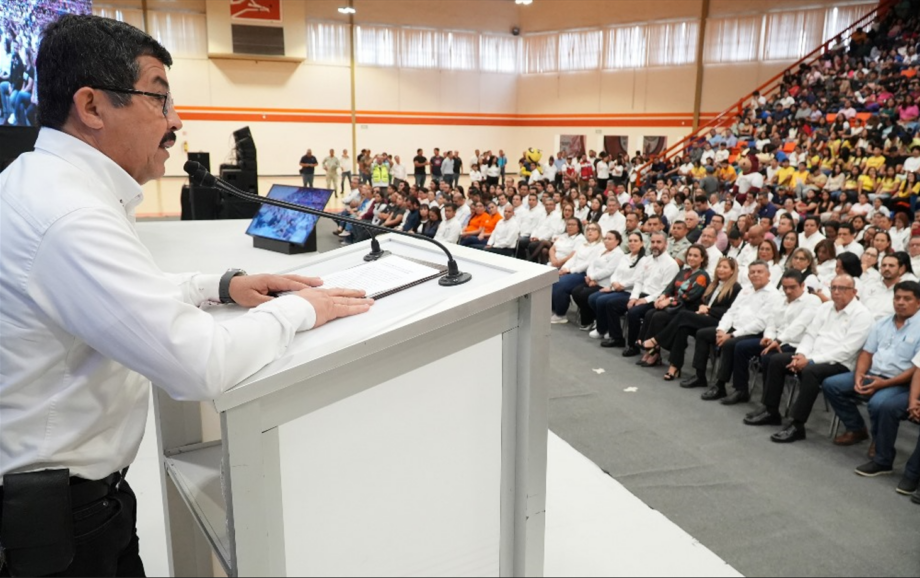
(656, 271)
(613, 219)
(878, 296)
(846, 241)
(811, 236)
(752, 241)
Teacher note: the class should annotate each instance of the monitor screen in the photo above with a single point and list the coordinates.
(284, 224)
(21, 26)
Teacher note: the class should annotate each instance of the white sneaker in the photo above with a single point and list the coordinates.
(595, 335)
(556, 320)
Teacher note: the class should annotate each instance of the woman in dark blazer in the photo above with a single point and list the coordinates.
(685, 293)
(718, 299)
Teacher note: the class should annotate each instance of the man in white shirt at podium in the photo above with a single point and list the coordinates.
(89, 319)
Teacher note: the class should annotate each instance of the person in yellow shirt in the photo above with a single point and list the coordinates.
(727, 174)
(877, 160)
(800, 176)
(698, 171)
(851, 185)
(783, 176)
(887, 186)
(867, 181)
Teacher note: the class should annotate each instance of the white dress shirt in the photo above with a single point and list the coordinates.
(463, 214)
(810, 242)
(531, 219)
(714, 257)
(608, 223)
(550, 228)
(837, 336)
(626, 274)
(749, 313)
(584, 256)
(604, 266)
(506, 234)
(89, 319)
(789, 321)
(449, 231)
(654, 276)
(900, 238)
(566, 245)
(878, 298)
(853, 247)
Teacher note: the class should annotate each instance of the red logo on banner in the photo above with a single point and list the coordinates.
(261, 10)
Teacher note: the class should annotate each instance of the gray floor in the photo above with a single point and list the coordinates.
(767, 509)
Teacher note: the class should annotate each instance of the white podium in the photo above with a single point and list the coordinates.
(407, 441)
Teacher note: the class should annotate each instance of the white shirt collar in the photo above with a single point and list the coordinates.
(125, 189)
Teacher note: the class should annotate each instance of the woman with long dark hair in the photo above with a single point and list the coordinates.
(620, 286)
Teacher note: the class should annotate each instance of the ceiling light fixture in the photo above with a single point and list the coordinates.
(524, 2)
(350, 10)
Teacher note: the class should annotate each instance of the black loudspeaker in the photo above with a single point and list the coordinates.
(200, 203)
(203, 158)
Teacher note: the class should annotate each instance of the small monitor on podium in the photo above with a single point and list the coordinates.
(284, 230)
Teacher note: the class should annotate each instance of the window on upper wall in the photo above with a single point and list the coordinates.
(459, 50)
(792, 35)
(328, 43)
(541, 53)
(499, 53)
(376, 46)
(580, 50)
(134, 17)
(839, 18)
(184, 34)
(733, 39)
(626, 47)
(672, 43)
(419, 48)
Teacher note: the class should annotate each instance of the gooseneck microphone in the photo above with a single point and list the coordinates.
(199, 176)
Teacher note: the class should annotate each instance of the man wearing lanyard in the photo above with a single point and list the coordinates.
(88, 317)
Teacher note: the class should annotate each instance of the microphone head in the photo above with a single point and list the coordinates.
(199, 175)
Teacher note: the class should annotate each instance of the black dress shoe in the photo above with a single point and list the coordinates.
(764, 417)
(916, 497)
(788, 435)
(755, 413)
(631, 352)
(736, 397)
(610, 343)
(692, 382)
(713, 393)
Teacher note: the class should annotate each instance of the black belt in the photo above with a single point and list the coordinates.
(84, 492)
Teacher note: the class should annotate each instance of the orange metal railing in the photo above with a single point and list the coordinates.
(766, 89)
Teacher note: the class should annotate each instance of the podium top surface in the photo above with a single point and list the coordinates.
(214, 246)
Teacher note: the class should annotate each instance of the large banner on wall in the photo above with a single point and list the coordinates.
(654, 145)
(616, 145)
(256, 11)
(572, 145)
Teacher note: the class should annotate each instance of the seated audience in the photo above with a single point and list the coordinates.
(621, 285)
(598, 277)
(830, 346)
(504, 239)
(582, 251)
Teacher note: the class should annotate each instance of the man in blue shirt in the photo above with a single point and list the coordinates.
(765, 209)
(883, 375)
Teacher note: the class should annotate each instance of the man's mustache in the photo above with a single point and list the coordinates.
(170, 137)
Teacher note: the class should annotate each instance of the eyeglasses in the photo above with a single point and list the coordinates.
(167, 97)
(840, 289)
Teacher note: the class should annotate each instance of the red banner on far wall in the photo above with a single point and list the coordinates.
(256, 10)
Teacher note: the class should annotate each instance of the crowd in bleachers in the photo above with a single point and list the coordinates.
(21, 24)
(786, 243)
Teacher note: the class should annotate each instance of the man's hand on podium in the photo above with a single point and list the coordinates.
(334, 303)
(253, 290)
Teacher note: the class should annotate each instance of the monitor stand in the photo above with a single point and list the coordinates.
(285, 247)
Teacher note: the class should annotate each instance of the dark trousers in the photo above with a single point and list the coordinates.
(562, 292)
(705, 341)
(634, 317)
(105, 537)
(581, 295)
(809, 385)
(655, 322)
(745, 351)
(602, 304)
(505, 252)
(676, 336)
